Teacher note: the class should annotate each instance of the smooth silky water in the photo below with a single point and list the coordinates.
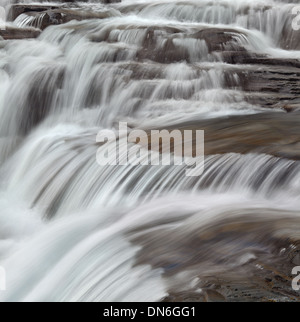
(71, 230)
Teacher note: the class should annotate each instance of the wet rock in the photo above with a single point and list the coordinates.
(212, 254)
(44, 19)
(244, 57)
(275, 84)
(214, 296)
(160, 43)
(19, 33)
(18, 9)
(218, 39)
(290, 39)
(159, 51)
(111, 1)
(271, 133)
(184, 297)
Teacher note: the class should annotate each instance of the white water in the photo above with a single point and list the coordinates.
(67, 225)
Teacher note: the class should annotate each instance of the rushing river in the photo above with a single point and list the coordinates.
(72, 230)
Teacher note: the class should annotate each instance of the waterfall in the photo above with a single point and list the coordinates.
(72, 230)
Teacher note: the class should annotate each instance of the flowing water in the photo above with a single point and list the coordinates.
(71, 230)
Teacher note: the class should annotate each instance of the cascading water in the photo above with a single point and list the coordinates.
(72, 230)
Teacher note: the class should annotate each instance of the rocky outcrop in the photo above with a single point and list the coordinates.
(271, 133)
(50, 17)
(263, 80)
(18, 9)
(214, 247)
(46, 15)
(19, 33)
(217, 40)
(271, 83)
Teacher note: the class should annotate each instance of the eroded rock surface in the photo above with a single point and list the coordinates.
(10, 33)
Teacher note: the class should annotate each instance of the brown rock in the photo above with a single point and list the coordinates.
(59, 16)
(19, 33)
(18, 9)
